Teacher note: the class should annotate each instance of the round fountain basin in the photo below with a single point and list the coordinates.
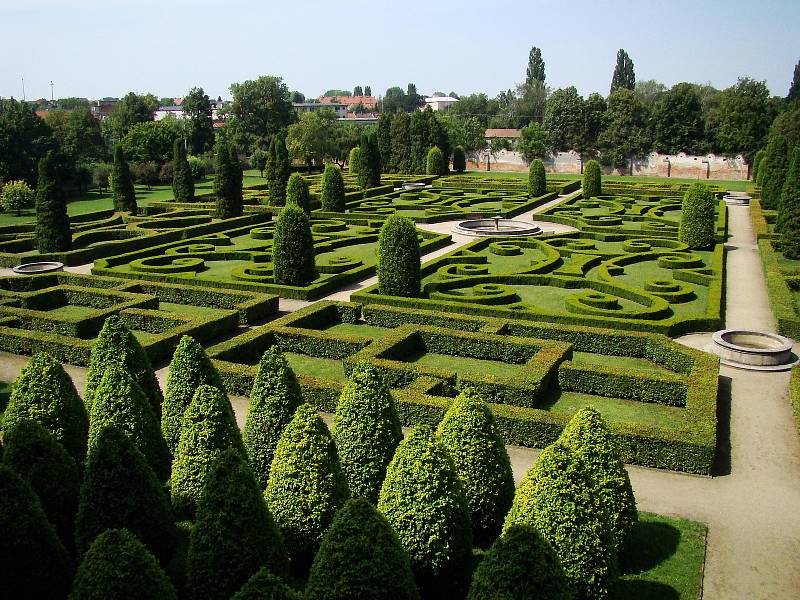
(753, 349)
(497, 227)
(737, 198)
(37, 268)
(412, 186)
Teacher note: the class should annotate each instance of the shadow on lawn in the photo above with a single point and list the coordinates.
(650, 544)
(644, 590)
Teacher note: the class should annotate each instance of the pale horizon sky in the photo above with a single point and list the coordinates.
(97, 48)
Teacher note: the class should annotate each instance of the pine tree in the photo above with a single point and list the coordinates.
(369, 170)
(182, 180)
(266, 586)
(624, 77)
(122, 183)
(297, 192)
(273, 400)
(592, 180)
(697, 226)
(789, 205)
(537, 180)
(52, 222)
(332, 196)
(774, 171)
(535, 73)
(794, 88)
(293, 248)
(459, 160)
(398, 258)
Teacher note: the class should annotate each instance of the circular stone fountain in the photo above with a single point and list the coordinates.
(412, 186)
(753, 350)
(737, 198)
(37, 268)
(497, 226)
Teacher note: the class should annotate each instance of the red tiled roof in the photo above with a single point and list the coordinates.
(502, 133)
(349, 101)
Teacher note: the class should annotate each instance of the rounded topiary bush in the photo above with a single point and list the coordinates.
(434, 162)
(44, 393)
(354, 160)
(119, 566)
(424, 501)
(469, 433)
(592, 181)
(332, 195)
(697, 217)
(207, 430)
(589, 437)
(266, 586)
(293, 248)
(459, 160)
(360, 557)
(189, 369)
(120, 490)
(35, 563)
(34, 454)
(557, 497)
(537, 180)
(234, 534)
(297, 192)
(120, 402)
(520, 565)
(306, 485)
(274, 398)
(398, 258)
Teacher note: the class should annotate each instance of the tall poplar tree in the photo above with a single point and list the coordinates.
(535, 72)
(624, 77)
(794, 89)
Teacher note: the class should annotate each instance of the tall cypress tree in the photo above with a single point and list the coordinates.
(52, 222)
(297, 192)
(400, 161)
(774, 171)
(535, 72)
(237, 179)
(794, 89)
(282, 171)
(122, 183)
(293, 248)
(228, 182)
(398, 265)
(624, 77)
(790, 192)
(182, 180)
(332, 196)
(369, 172)
(385, 139)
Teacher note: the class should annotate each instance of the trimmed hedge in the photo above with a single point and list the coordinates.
(697, 217)
(591, 184)
(434, 162)
(459, 160)
(297, 193)
(332, 195)
(537, 180)
(293, 248)
(266, 586)
(398, 258)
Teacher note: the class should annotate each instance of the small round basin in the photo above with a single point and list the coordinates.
(36, 268)
(497, 227)
(756, 350)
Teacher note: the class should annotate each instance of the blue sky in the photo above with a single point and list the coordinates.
(95, 48)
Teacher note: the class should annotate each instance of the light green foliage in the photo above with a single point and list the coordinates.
(332, 195)
(592, 181)
(533, 142)
(15, 196)
(354, 160)
(757, 162)
(434, 163)
(297, 192)
(697, 217)
(537, 180)
(122, 183)
(366, 430)
(398, 258)
(266, 586)
(469, 433)
(293, 248)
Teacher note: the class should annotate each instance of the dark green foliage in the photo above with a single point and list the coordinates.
(790, 193)
(274, 398)
(366, 429)
(592, 182)
(332, 195)
(278, 170)
(44, 393)
(115, 344)
(535, 72)
(35, 563)
(434, 163)
(469, 433)
(52, 222)
(557, 497)
(537, 180)
(624, 76)
(122, 183)
(208, 429)
(306, 485)
(589, 437)
(401, 144)
(354, 160)
(297, 192)
(459, 160)
(293, 248)
(757, 162)
(182, 180)
(360, 557)
(794, 88)
(234, 535)
(398, 258)
(34, 454)
(777, 164)
(120, 490)
(119, 567)
(120, 402)
(762, 168)
(227, 181)
(519, 566)
(697, 217)
(266, 586)
(369, 168)
(385, 140)
(190, 368)
(790, 238)
(237, 178)
(424, 501)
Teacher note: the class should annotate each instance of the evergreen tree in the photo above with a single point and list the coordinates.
(400, 161)
(120, 490)
(44, 393)
(52, 222)
(762, 168)
(273, 400)
(624, 77)
(592, 180)
(234, 535)
(182, 180)
(293, 248)
(424, 501)
(357, 91)
(757, 162)
(697, 225)
(384, 138)
(366, 429)
(354, 160)
(297, 192)
(227, 182)
(270, 165)
(459, 160)
(306, 485)
(119, 566)
(369, 170)
(398, 258)
(435, 163)
(266, 586)
(794, 88)
(283, 169)
(535, 73)
(788, 206)
(777, 164)
(237, 179)
(367, 90)
(190, 368)
(332, 196)
(537, 180)
(790, 238)
(360, 557)
(122, 183)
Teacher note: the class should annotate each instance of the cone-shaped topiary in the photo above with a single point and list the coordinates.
(790, 238)
(697, 217)
(115, 344)
(537, 180)
(297, 192)
(790, 194)
(266, 586)
(424, 501)
(557, 497)
(360, 557)
(189, 369)
(35, 563)
(237, 179)
(592, 181)
(520, 565)
(369, 168)
(34, 454)
(762, 168)
(293, 248)
(122, 184)
(332, 196)
(434, 161)
(398, 258)
(207, 430)
(234, 535)
(120, 402)
(459, 160)
(469, 433)
(274, 398)
(119, 566)
(182, 180)
(306, 485)
(588, 436)
(282, 168)
(354, 160)
(757, 162)
(52, 232)
(44, 393)
(120, 490)
(774, 167)
(366, 429)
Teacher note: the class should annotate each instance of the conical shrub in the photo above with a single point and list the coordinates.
(297, 192)
(592, 180)
(537, 180)
(398, 258)
(293, 248)
(52, 232)
(332, 196)
(266, 586)
(697, 217)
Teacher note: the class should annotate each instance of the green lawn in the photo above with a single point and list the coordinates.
(617, 409)
(358, 329)
(462, 364)
(326, 368)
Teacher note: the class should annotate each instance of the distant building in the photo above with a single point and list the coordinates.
(440, 102)
(370, 118)
(338, 108)
(176, 109)
(163, 111)
(101, 109)
(368, 102)
(512, 135)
